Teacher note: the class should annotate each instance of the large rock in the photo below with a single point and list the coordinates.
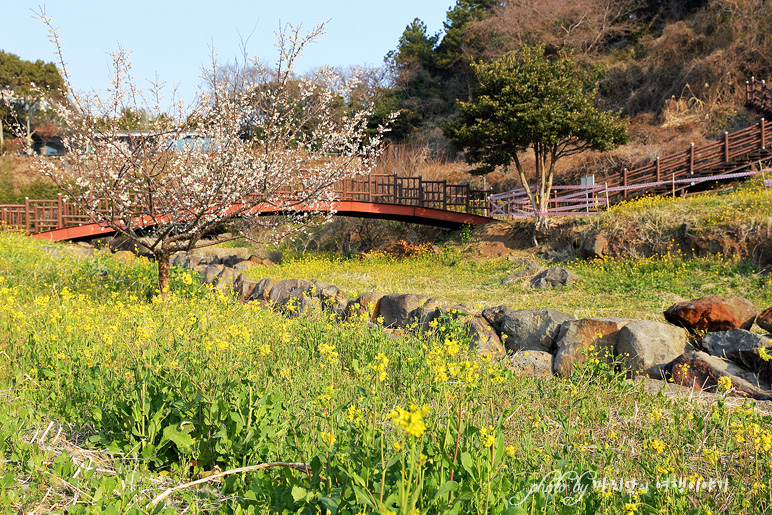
(192, 261)
(519, 276)
(245, 289)
(577, 336)
(527, 329)
(595, 247)
(764, 320)
(733, 344)
(211, 274)
(646, 347)
(179, 259)
(533, 363)
(701, 371)
(366, 307)
(331, 297)
(263, 289)
(396, 309)
(712, 313)
(299, 304)
(495, 316)
(126, 256)
(484, 337)
(429, 311)
(243, 266)
(555, 277)
(227, 280)
(288, 288)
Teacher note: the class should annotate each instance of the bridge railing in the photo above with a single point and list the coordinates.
(36, 216)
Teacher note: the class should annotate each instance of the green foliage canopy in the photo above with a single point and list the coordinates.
(531, 101)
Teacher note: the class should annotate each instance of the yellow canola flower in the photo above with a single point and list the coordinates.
(724, 383)
(410, 421)
(487, 436)
(658, 446)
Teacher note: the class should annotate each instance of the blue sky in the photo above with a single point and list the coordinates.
(173, 39)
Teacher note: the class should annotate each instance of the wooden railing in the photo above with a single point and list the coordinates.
(758, 95)
(733, 152)
(35, 216)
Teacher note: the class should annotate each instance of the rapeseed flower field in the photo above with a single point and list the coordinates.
(114, 399)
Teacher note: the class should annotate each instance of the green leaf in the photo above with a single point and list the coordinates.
(467, 462)
(299, 493)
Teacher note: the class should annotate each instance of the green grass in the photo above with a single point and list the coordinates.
(159, 392)
(611, 287)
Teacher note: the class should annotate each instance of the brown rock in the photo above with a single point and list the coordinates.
(245, 289)
(366, 307)
(701, 371)
(484, 337)
(764, 320)
(712, 313)
(263, 289)
(576, 336)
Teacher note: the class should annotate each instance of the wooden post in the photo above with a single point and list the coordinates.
(673, 184)
(608, 204)
(726, 146)
(762, 124)
(444, 195)
(659, 170)
(59, 212)
(691, 158)
(370, 187)
(27, 215)
(747, 92)
(624, 181)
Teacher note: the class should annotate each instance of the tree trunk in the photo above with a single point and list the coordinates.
(162, 259)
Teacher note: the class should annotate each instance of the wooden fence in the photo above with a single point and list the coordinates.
(758, 96)
(36, 216)
(735, 151)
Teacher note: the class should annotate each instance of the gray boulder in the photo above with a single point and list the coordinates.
(430, 310)
(299, 304)
(646, 347)
(555, 277)
(287, 288)
(396, 309)
(519, 276)
(211, 273)
(533, 363)
(527, 329)
(227, 280)
(243, 266)
(245, 289)
(733, 344)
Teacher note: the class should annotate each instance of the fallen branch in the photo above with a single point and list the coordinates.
(297, 466)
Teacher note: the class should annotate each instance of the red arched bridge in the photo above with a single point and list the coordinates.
(408, 199)
(413, 199)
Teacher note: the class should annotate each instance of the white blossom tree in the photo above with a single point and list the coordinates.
(257, 139)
